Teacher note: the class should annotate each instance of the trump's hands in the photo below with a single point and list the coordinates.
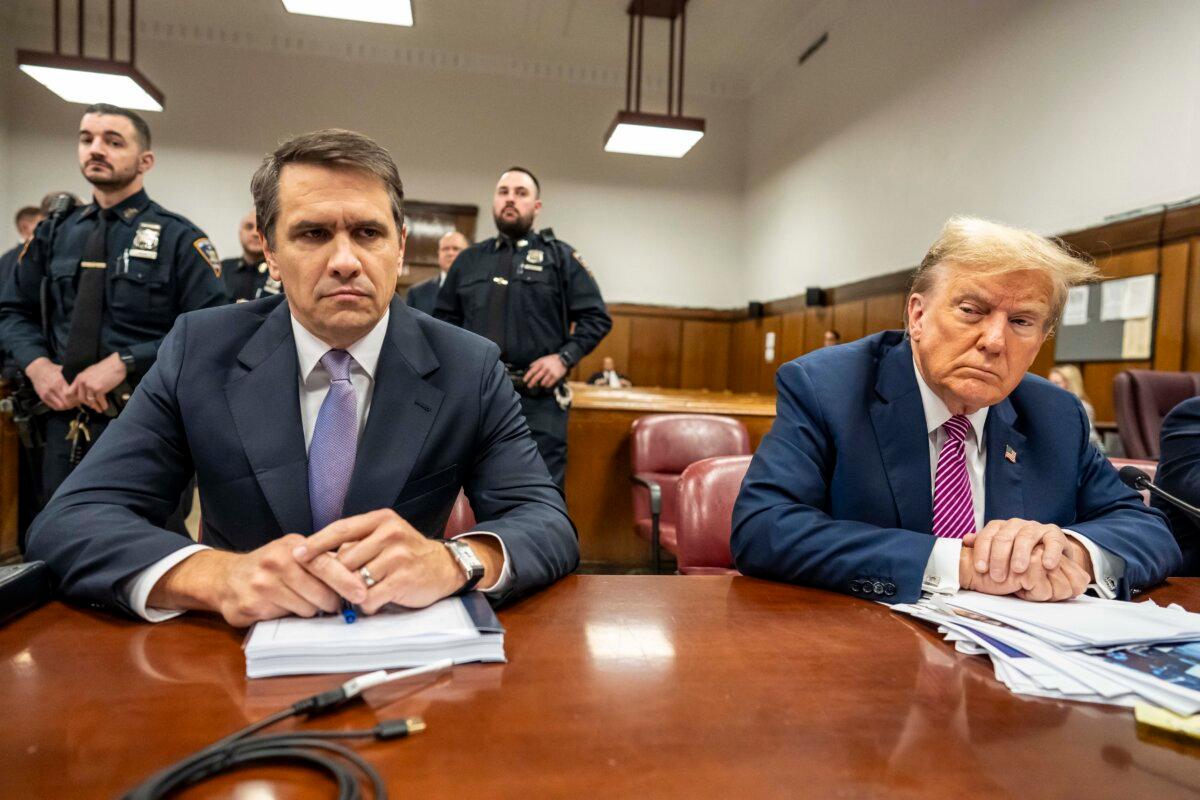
(266, 583)
(1007, 546)
(405, 567)
(1066, 581)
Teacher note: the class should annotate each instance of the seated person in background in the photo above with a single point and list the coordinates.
(1068, 376)
(1179, 474)
(423, 296)
(609, 376)
(377, 416)
(832, 337)
(928, 459)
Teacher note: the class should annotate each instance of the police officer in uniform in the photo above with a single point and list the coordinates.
(98, 287)
(247, 277)
(524, 291)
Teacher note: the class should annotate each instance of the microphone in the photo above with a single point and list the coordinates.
(1134, 478)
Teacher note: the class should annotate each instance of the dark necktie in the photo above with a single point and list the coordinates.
(497, 319)
(83, 339)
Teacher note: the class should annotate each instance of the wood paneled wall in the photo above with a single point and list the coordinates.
(723, 350)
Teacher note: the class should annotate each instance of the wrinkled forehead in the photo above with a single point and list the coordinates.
(333, 190)
(1027, 288)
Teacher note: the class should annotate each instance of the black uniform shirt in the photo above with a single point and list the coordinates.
(172, 269)
(534, 322)
(244, 280)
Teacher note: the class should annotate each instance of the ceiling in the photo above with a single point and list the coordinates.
(731, 44)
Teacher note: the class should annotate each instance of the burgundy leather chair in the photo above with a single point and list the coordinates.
(1142, 398)
(707, 491)
(1148, 467)
(662, 446)
(462, 518)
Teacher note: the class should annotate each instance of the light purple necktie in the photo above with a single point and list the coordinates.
(334, 443)
(953, 509)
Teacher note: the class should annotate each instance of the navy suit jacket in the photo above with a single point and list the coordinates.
(222, 401)
(1179, 474)
(838, 495)
(423, 296)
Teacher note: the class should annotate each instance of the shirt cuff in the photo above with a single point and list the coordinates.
(1108, 568)
(139, 586)
(941, 572)
(506, 577)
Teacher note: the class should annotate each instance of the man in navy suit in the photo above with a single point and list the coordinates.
(423, 296)
(928, 459)
(1179, 474)
(330, 431)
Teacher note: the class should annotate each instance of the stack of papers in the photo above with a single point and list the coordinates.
(462, 629)
(1087, 649)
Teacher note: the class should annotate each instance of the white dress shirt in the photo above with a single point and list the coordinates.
(314, 383)
(941, 571)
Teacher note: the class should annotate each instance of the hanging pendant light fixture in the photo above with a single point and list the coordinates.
(634, 131)
(384, 12)
(79, 79)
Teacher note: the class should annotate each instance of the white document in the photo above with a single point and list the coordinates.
(1112, 300)
(1138, 299)
(1076, 310)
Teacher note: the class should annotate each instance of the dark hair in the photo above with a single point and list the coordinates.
(25, 212)
(835, 333)
(536, 185)
(139, 124)
(50, 197)
(330, 147)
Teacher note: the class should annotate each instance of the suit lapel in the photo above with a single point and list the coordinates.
(403, 408)
(899, 421)
(265, 403)
(1003, 495)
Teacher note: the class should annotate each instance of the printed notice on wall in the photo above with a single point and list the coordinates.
(1075, 312)
(1136, 342)
(1112, 300)
(1138, 300)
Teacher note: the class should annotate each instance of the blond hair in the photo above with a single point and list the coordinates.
(1073, 378)
(990, 248)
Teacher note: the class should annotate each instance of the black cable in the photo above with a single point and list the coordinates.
(308, 749)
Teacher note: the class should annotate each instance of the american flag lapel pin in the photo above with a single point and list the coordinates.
(1010, 455)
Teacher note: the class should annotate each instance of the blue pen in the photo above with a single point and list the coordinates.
(349, 612)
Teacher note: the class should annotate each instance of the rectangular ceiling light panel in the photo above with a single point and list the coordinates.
(386, 12)
(80, 86)
(653, 134)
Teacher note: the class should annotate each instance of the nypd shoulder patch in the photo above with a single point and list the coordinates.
(205, 248)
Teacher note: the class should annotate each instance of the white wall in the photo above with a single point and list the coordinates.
(1049, 115)
(650, 229)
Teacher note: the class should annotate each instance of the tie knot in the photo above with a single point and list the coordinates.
(107, 214)
(956, 428)
(337, 362)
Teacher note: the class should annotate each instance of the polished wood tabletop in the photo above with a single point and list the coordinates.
(616, 686)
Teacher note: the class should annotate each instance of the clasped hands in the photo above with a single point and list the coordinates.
(1027, 559)
(303, 576)
(90, 387)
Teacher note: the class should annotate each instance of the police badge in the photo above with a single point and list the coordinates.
(145, 240)
(534, 257)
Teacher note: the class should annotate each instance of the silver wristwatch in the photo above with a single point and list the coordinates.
(471, 566)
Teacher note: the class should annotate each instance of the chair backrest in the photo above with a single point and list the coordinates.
(462, 518)
(1148, 467)
(663, 445)
(1142, 398)
(707, 491)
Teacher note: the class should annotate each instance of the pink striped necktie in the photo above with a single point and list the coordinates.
(953, 509)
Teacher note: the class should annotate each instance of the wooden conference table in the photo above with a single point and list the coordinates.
(617, 686)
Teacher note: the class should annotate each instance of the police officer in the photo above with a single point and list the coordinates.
(524, 291)
(247, 277)
(111, 277)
